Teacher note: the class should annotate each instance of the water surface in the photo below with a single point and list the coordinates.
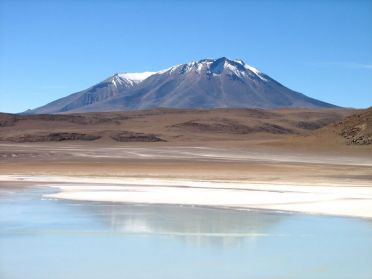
(44, 238)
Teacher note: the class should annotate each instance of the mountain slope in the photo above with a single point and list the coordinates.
(208, 83)
(113, 86)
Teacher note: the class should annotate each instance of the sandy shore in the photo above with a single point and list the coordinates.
(353, 201)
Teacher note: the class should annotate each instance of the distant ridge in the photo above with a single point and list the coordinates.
(207, 83)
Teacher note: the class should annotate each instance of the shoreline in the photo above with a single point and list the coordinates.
(318, 199)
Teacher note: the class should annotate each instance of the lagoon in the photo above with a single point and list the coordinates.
(50, 238)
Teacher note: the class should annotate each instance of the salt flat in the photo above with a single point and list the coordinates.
(354, 200)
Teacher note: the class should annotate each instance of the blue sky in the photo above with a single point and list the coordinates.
(49, 49)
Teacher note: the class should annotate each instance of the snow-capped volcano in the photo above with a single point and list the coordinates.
(207, 83)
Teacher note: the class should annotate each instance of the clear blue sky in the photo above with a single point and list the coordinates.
(49, 49)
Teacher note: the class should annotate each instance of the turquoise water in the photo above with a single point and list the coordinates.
(55, 239)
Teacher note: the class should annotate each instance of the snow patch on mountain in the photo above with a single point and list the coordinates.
(136, 77)
(256, 71)
(168, 70)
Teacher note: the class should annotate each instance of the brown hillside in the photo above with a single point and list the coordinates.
(169, 125)
(356, 128)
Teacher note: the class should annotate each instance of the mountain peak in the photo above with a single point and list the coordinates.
(218, 66)
(224, 65)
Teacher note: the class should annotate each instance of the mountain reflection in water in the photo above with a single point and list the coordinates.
(192, 224)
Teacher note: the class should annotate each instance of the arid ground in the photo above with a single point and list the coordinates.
(314, 161)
